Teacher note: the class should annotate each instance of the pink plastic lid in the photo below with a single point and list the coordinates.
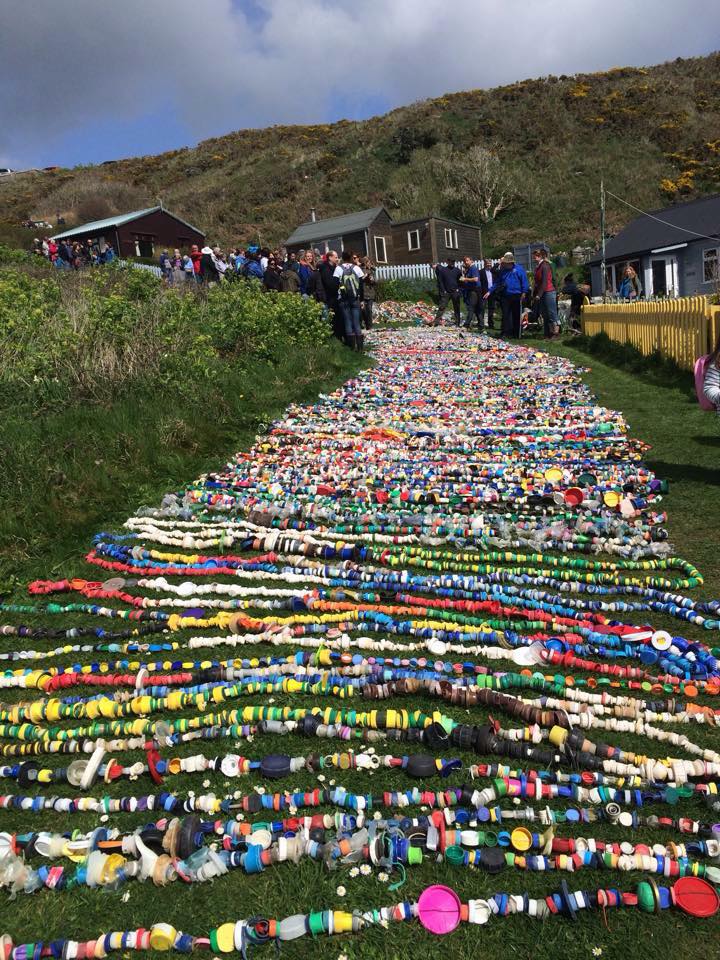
(439, 909)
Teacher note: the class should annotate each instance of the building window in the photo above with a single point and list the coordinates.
(711, 262)
(451, 238)
(413, 239)
(615, 272)
(144, 245)
(380, 250)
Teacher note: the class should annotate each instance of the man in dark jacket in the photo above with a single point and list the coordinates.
(330, 286)
(448, 279)
(488, 276)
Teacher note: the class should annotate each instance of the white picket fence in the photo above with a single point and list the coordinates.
(409, 271)
(142, 266)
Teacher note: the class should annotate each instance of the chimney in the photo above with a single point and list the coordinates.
(313, 218)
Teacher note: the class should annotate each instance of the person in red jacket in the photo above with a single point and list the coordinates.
(196, 257)
(545, 294)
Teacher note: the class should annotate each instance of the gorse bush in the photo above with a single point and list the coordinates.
(75, 336)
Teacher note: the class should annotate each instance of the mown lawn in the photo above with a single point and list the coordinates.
(685, 443)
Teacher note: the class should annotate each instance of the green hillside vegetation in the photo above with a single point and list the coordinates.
(113, 387)
(526, 158)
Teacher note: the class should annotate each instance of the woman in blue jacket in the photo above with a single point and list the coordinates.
(510, 288)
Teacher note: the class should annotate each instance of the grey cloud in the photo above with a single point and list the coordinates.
(224, 69)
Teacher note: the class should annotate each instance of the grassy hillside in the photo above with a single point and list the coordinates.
(654, 133)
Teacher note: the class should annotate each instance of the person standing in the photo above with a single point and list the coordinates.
(196, 257)
(630, 288)
(208, 269)
(510, 287)
(272, 279)
(488, 275)
(349, 275)
(166, 267)
(368, 290)
(306, 274)
(448, 279)
(177, 265)
(545, 294)
(330, 286)
(470, 281)
(188, 269)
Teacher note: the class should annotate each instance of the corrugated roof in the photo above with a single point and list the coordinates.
(334, 226)
(119, 220)
(643, 233)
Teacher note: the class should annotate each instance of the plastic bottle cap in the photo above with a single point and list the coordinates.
(696, 897)
(521, 839)
(574, 496)
(439, 909)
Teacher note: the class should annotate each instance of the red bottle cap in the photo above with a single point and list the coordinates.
(696, 897)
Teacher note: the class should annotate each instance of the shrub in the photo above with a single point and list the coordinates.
(10, 255)
(407, 290)
(89, 335)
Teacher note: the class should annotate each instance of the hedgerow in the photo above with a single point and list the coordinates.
(65, 337)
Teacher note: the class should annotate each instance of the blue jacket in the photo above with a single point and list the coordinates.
(472, 283)
(512, 279)
(253, 269)
(305, 273)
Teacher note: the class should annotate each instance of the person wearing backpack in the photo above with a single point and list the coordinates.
(350, 274)
(510, 287)
(711, 380)
(545, 294)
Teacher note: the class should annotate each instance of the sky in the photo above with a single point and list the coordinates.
(82, 81)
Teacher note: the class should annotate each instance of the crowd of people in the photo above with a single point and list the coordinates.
(345, 285)
(504, 285)
(74, 254)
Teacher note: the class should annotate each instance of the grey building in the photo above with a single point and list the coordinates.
(365, 232)
(422, 240)
(668, 255)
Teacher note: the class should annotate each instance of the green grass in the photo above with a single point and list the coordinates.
(684, 447)
(71, 470)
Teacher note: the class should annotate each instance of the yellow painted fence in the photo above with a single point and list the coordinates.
(683, 329)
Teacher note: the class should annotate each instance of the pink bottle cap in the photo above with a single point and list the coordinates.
(439, 909)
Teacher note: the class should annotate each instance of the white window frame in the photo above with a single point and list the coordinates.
(410, 235)
(451, 238)
(378, 258)
(714, 255)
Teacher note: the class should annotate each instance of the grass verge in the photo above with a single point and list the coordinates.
(72, 470)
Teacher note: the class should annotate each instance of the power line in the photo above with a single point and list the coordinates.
(659, 219)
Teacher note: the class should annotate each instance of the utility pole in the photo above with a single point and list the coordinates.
(602, 239)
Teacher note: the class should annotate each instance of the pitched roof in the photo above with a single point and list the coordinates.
(117, 221)
(334, 226)
(683, 222)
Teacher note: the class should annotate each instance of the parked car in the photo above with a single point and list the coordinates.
(5, 171)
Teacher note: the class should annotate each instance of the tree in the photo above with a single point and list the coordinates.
(475, 183)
